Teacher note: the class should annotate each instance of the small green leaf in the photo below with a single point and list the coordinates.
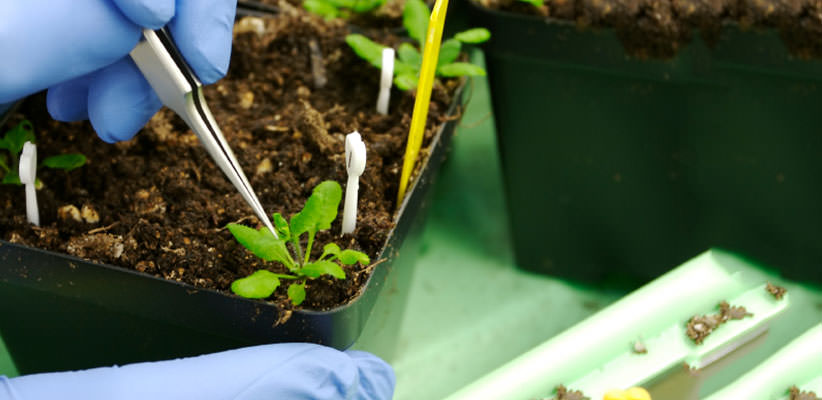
(330, 249)
(406, 81)
(322, 267)
(409, 55)
(460, 69)
(475, 35)
(15, 138)
(262, 243)
(11, 178)
(351, 257)
(3, 164)
(319, 211)
(296, 292)
(281, 226)
(361, 6)
(366, 48)
(66, 162)
(535, 3)
(415, 19)
(449, 51)
(322, 8)
(258, 285)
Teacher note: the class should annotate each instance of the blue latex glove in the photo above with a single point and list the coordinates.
(288, 371)
(78, 49)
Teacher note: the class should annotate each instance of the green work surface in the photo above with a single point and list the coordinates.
(469, 309)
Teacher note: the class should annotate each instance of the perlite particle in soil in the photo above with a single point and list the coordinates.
(699, 327)
(795, 394)
(777, 291)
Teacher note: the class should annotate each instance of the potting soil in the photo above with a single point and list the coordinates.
(162, 204)
(659, 28)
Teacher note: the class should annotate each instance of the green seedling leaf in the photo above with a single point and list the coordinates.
(66, 162)
(475, 35)
(361, 6)
(331, 249)
(449, 51)
(351, 257)
(415, 17)
(281, 226)
(323, 267)
(3, 165)
(258, 285)
(409, 55)
(262, 243)
(319, 211)
(535, 3)
(460, 69)
(406, 81)
(11, 178)
(366, 48)
(322, 8)
(296, 292)
(15, 138)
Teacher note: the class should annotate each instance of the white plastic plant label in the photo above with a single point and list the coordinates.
(28, 176)
(386, 80)
(355, 165)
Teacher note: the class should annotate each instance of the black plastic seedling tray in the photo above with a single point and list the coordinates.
(58, 312)
(617, 168)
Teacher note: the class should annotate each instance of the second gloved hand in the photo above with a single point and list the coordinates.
(79, 51)
(288, 371)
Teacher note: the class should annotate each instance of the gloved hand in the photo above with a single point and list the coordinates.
(79, 51)
(291, 371)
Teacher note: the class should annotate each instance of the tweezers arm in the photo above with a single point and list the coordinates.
(162, 72)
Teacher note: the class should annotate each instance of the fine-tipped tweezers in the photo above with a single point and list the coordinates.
(178, 88)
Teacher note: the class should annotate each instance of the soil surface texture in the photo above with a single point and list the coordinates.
(158, 204)
(659, 28)
(699, 327)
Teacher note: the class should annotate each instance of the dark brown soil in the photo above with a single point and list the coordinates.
(162, 205)
(796, 394)
(564, 394)
(659, 28)
(699, 327)
(777, 291)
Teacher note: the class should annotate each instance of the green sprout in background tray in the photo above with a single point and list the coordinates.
(13, 141)
(407, 67)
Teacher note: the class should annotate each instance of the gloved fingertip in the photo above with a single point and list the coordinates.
(120, 101)
(68, 101)
(152, 14)
(377, 378)
(203, 32)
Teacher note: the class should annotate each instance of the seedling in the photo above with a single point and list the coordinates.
(317, 214)
(407, 67)
(330, 9)
(13, 142)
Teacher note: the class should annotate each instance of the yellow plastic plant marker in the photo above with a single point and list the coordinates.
(430, 57)
(634, 393)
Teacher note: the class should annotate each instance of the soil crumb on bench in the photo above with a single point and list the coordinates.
(564, 393)
(796, 394)
(777, 291)
(699, 327)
